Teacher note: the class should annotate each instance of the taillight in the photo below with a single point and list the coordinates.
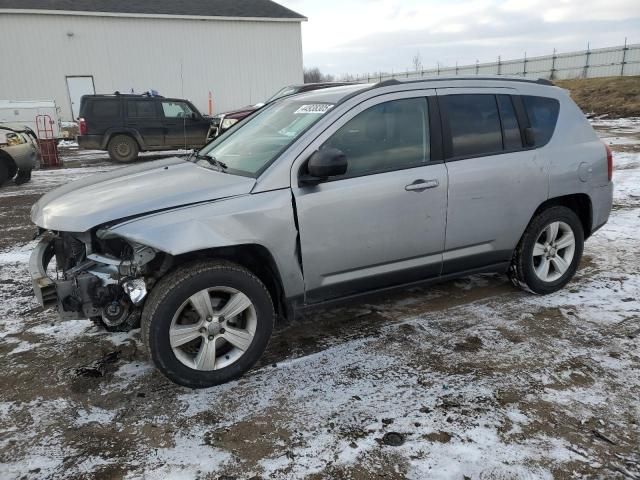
(83, 126)
(609, 162)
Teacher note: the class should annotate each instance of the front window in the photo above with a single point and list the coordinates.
(389, 136)
(176, 110)
(252, 147)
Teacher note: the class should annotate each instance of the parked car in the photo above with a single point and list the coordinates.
(224, 121)
(323, 196)
(25, 112)
(18, 152)
(125, 125)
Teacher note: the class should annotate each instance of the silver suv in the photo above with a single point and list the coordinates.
(321, 196)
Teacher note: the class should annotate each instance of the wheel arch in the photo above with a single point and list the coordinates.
(579, 203)
(130, 132)
(254, 257)
(10, 163)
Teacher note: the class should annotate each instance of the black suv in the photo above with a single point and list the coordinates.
(127, 124)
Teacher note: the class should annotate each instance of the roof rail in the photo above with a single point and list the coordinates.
(395, 81)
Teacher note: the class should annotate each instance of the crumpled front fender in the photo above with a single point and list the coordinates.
(265, 219)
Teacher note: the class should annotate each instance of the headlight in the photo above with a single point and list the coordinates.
(15, 139)
(228, 123)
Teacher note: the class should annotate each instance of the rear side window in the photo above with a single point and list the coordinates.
(141, 108)
(511, 137)
(543, 116)
(474, 124)
(107, 108)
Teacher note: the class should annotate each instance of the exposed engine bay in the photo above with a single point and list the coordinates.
(94, 275)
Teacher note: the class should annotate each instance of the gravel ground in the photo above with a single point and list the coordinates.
(467, 379)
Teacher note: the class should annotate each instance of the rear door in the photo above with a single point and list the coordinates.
(383, 222)
(144, 116)
(495, 183)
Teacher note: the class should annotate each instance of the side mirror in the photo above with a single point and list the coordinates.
(194, 116)
(324, 163)
(529, 137)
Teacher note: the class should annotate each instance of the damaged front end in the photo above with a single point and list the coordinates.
(95, 275)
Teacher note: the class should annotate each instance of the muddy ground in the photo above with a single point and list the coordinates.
(467, 379)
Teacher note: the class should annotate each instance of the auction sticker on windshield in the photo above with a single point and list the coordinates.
(319, 108)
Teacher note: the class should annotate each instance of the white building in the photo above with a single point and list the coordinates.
(241, 51)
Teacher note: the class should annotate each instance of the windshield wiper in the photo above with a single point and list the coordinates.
(212, 160)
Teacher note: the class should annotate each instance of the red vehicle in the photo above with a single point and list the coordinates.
(224, 121)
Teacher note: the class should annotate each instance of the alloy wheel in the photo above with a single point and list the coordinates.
(553, 251)
(213, 328)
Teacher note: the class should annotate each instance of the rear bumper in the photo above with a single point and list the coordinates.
(601, 202)
(90, 142)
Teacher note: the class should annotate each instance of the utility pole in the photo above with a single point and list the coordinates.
(553, 65)
(499, 66)
(524, 65)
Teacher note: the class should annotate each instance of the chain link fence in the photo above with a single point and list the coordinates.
(590, 63)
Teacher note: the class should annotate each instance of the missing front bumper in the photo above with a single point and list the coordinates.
(44, 287)
(92, 289)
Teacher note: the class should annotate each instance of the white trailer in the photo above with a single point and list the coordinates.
(25, 113)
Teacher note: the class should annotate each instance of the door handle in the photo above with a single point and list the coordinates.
(421, 185)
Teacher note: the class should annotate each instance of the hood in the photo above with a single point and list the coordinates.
(15, 127)
(241, 112)
(136, 190)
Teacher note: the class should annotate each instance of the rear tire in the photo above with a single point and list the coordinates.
(207, 323)
(4, 172)
(549, 251)
(123, 149)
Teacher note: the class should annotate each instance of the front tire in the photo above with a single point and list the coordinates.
(207, 323)
(23, 177)
(549, 252)
(123, 149)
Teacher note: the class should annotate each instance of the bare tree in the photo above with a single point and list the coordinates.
(417, 62)
(347, 77)
(314, 75)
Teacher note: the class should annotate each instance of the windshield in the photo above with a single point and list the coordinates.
(250, 148)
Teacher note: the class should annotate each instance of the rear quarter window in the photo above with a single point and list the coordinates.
(543, 116)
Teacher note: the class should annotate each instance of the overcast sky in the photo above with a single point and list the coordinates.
(360, 36)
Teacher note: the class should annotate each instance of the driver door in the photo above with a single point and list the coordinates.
(383, 222)
(181, 129)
